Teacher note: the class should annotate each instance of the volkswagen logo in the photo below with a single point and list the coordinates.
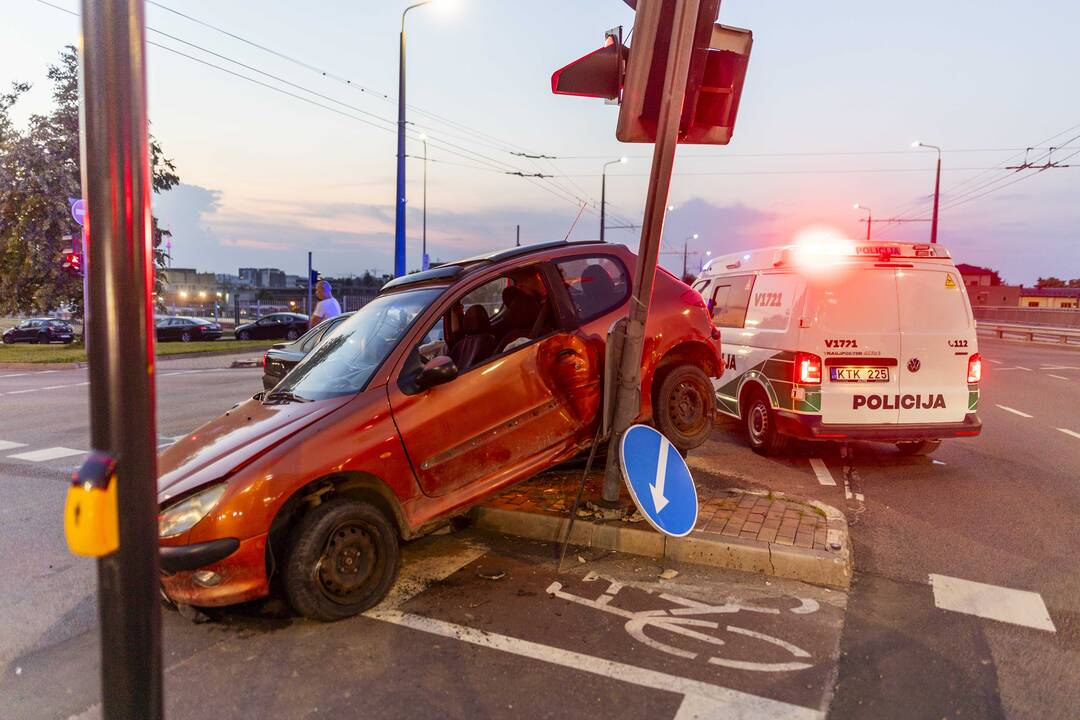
(913, 365)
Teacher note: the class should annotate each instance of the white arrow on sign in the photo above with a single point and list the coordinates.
(657, 489)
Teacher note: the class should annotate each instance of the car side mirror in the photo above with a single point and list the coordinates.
(438, 370)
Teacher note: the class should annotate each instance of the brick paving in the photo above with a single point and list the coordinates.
(732, 513)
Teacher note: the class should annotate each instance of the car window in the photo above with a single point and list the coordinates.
(729, 300)
(595, 284)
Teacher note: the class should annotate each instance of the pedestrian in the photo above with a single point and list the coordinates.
(327, 307)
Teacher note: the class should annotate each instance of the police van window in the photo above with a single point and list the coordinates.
(772, 301)
(700, 286)
(595, 284)
(729, 299)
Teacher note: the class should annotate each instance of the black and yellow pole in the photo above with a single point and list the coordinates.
(112, 505)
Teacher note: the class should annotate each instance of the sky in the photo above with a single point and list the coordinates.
(835, 94)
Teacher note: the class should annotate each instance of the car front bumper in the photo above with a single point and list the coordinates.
(810, 427)
(240, 566)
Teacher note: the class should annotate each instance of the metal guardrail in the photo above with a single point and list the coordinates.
(1030, 333)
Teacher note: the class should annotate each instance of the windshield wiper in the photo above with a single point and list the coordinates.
(284, 396)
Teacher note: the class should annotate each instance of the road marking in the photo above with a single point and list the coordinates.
(20, 392)
(14, 375)
(53, 453)
(1015, 367)
(1014, 411)
(993, 602)
(1069, 432)
(699, 699)
(996, 362)
(8, 445)
(1060, 367)
(822, 472)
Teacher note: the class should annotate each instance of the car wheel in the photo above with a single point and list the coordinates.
(918, 447)
(759, 422)
(292, 334)
(343, 560)
(244, 335)
(185, 336)
(684, 407)
(8, 339)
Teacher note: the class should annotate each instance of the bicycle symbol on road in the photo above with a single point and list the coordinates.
(685, 621)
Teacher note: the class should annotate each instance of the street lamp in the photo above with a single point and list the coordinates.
(937, 188)
(423, 240)
(603, 190)
(399, 219)
(686, 251)
(705, 259)
(869, 217)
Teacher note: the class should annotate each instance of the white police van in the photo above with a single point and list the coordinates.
(841, 340)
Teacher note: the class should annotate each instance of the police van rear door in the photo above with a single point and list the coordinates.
(857, 331)
(937, 337)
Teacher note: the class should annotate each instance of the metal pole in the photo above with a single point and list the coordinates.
(603, 200)
(399, 218)
(120, 342)
(685, 254)
(937, 196)
(518, 243)
(628, 389)
(423, 245)
(310, 308)
(869, 221)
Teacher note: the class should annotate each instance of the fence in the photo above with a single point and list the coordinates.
(1028, 316)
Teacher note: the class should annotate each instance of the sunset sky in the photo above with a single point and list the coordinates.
(835, 94)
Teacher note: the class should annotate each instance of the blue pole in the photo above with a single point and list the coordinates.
(399, 222)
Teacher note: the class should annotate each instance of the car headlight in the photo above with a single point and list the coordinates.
(183, 516)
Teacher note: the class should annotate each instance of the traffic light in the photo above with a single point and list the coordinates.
(717, 71)
(314, 277)
(71, 258)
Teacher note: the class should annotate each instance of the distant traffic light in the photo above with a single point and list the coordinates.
(71, 258)
(314, 277)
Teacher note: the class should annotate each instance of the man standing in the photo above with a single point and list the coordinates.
(327, 307)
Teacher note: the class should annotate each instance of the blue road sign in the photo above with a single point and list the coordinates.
(78, 209)
(659, 481)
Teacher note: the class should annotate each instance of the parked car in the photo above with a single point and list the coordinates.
(281, 358)
(40, 330)
(185, 329)
(286, 325)
(450, 385)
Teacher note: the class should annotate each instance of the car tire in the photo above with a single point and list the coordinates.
(185, 336)
(759, 424)
(243, 335)
(8, 339)
(337, 540)
(292, 334)
(918, 447)
(685, 406)
(69, 341)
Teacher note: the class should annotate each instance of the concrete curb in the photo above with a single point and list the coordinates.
(159, 359)
(830, 568)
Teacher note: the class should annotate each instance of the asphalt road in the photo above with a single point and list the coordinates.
(999, 509)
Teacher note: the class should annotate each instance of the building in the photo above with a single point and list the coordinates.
(1056, 298)
(994, 295)
(262, 277)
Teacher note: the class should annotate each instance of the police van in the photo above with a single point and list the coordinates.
(841, 340)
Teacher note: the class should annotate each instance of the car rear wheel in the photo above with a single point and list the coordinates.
(759, 422)
(918, 447)
(684, 407)
(8, 339)
(185, 336)
(243, 335)
(292, 334)
(343, 560)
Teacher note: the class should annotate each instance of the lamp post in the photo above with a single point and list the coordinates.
(423, 235)
(603, 191)
(869, 217)
(704, 259)
(937, 188)
(686, 251)
(399, 217)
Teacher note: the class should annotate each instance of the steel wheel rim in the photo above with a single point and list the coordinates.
(757, 423)
(349, 563)
(686, 407)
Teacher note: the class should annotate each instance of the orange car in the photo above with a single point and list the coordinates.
(451, 385)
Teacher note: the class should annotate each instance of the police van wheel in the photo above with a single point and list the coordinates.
(759, 421)
(343, 559)
(684, 407)
(918, 447)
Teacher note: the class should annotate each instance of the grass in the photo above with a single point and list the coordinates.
(76, 352)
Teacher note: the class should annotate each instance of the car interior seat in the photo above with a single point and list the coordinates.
(520, 314)
(478, 342)
(597, 291)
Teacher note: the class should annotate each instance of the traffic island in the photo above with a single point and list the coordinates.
(736, 529)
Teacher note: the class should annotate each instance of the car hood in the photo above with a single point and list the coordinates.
(227, 443)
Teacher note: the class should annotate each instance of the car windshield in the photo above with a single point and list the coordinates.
(349, 355)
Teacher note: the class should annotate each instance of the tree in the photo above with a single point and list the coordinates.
(1049, 282)
(1074, 283)
(39, 171)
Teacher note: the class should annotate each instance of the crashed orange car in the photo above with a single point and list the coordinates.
(449, 386)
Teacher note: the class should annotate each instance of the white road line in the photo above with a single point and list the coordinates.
(700, 699)
(1019, 607)
(53, 453)
(996, 362)
(14, 375)
(1014, 411)
(1021, 367)
(20, 392)
(1056, 377)
(1060, 367)
(9, 445)
(1069, 432)
(822, 472)
(1015, 367)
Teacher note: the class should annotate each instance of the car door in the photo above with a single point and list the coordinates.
(22, 331)
(161, 329)
(505, 414)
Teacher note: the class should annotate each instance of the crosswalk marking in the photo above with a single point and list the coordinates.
(53, 453)
(1014, 411)
(9, 445)
(993, 602)
(822, 472)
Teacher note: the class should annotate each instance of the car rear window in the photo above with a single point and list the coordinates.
(595, 284)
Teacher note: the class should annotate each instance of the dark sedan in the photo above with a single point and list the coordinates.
(40, 330)
(281, 358)
(283, 326)
(186, 329)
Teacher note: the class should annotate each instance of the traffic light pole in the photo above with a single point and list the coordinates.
(120, 344)
(628, 389)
